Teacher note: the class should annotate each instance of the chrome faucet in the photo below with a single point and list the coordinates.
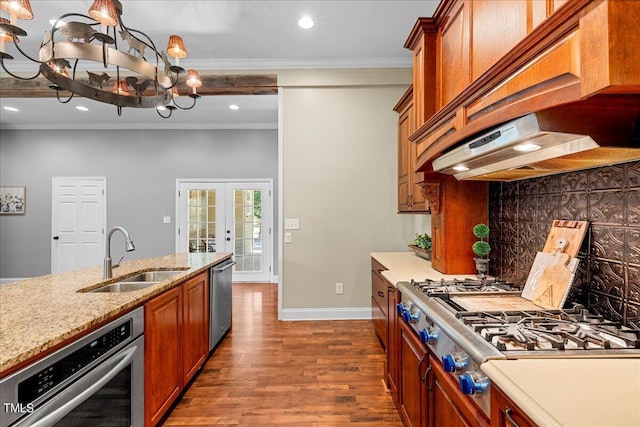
(108, 267)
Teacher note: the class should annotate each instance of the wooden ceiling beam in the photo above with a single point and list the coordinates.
(212, 84)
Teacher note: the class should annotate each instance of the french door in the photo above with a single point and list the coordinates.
(214, 216)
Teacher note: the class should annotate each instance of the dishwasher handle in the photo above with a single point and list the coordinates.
(223, 267)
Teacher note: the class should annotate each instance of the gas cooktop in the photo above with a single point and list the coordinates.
(465, 286)
(564, 332)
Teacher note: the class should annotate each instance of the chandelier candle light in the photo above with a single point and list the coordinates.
(78, 59)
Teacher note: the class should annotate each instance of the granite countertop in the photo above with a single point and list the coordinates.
(39, 313)
(568, 392)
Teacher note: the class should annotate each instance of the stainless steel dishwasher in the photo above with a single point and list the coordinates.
(220, 281)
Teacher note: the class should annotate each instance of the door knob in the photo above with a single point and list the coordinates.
(228, 239)
(56, 237)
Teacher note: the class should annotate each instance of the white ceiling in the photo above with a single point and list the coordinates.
(229, 35)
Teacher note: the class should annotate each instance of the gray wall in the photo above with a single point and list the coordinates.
(141, 167)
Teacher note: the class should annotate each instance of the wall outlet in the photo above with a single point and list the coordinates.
(339, 288)
(287, 237)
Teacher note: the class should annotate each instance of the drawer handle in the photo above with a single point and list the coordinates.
(381, 294)
(510, 421)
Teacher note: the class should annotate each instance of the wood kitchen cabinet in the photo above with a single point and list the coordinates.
(379, 304)
(176, 343)
(392, 365)
(448, 407)
(162, 355)
(383, 313)
(195, 327)
(481, 63)
(410, 198)
(461, 205)
(413, 392)
(505, 413)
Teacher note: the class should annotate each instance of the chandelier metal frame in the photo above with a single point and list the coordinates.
(138, 83)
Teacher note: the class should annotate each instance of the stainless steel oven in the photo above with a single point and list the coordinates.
(97, 380)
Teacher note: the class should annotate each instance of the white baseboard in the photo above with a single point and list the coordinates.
(11, 280)
(347, 313)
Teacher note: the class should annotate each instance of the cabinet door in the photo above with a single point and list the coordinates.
(438, 261)
(453, 44)
(413, 357)
(195, 334)
(379, 305)
(448, 407)
(505, 413)
(162, 354)
(404, 163)
(393, 344)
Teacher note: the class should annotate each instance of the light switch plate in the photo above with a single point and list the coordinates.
(291, 224)
(166, 220)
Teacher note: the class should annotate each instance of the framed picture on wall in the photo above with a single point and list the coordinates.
(13, 200)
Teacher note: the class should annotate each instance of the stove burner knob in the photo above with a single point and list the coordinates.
(455, 362)
(474, 383)
(410, 317)
(427, 336)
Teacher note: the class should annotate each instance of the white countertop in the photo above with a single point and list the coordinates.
(404, 266)
(552, 392)
(572, 392)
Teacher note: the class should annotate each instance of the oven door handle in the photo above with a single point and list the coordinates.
(67, 400)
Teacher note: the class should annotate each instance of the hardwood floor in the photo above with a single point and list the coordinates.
(272, 373)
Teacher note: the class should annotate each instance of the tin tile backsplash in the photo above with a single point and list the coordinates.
(608, 279)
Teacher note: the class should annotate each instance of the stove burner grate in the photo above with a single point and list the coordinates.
(550, 330)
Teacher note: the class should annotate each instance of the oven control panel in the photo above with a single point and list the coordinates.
(44, 380)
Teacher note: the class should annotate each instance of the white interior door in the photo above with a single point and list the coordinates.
(78, 220)
(214, 216)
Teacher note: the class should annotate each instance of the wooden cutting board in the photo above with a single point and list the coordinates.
(553, 287)
(572, 232)
(494, 303)
(554, 268)
(540, 264)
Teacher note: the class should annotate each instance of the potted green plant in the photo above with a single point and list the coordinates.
(422, 246)
(481, 248)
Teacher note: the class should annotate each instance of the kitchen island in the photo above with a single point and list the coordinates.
(37, 315)
(563, 391)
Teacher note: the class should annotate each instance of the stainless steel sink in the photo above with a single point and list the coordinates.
(124, 287)
(138, 281)
(151, 276)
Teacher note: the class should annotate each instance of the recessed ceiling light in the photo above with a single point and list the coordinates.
(82, 108)
(11, 109)
(234, 107)
(305, 22)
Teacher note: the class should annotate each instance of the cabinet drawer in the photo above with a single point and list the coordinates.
(379, 290)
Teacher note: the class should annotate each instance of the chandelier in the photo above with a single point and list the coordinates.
(79, 55)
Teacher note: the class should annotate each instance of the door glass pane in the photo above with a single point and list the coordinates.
(248, 230)
(202, 220)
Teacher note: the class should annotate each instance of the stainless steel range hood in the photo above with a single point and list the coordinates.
(515, 144)
(603, 130)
